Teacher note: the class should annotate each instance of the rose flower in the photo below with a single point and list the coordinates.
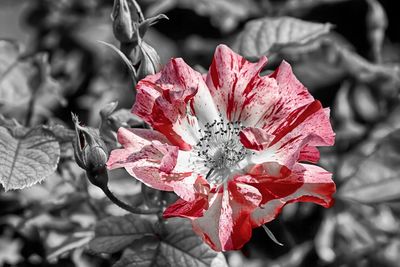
(231, 144)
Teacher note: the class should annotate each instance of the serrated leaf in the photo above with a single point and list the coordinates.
(178, 246)
(116, 233)
(26, 156)
(262, 36)
(377, 179)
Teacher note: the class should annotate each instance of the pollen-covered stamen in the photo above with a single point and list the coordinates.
(219, 148)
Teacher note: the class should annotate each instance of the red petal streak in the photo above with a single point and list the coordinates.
(280, 98)
(230, 80)
(173, 137)
(310, 154)
(214, 74)
(226, 224)
(313, 183)
(162, 101)
(308, 125)
(255, 138)
(295, 119)
(153, 162)
(185, 209)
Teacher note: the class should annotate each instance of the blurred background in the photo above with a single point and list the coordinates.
(353, 69)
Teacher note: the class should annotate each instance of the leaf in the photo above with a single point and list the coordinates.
(65, 137)
(330, 59)
(26, 156)
(263, 36)
(20, 76)
(116, 233)
(128, 63)
(377, 179)
(225, 14)
(76, 240)
(14, 84)
(178, 246)
(50, 93)
(125, 118)
(112, 120)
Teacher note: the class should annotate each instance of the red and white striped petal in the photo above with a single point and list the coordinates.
(149, 157)
(174, 101)
(241, 94)
(226, 223)
(144, 152)
(283, 99)
(308, 125)
(232, 81)
(277, 95)
(187, 185)
(133, 141)
(307, 183)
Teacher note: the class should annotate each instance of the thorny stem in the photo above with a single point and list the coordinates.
(125, 206)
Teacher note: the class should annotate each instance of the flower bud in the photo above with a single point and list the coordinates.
(125, 18)
(129, 25)
(149, 61)
(91, 153)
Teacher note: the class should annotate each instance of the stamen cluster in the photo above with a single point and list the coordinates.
(219, 147)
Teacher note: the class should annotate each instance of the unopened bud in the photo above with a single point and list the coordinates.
(129, 25)
(91, 153)
(149, 61)
(125, 21)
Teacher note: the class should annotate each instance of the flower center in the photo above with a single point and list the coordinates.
(219, 150)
